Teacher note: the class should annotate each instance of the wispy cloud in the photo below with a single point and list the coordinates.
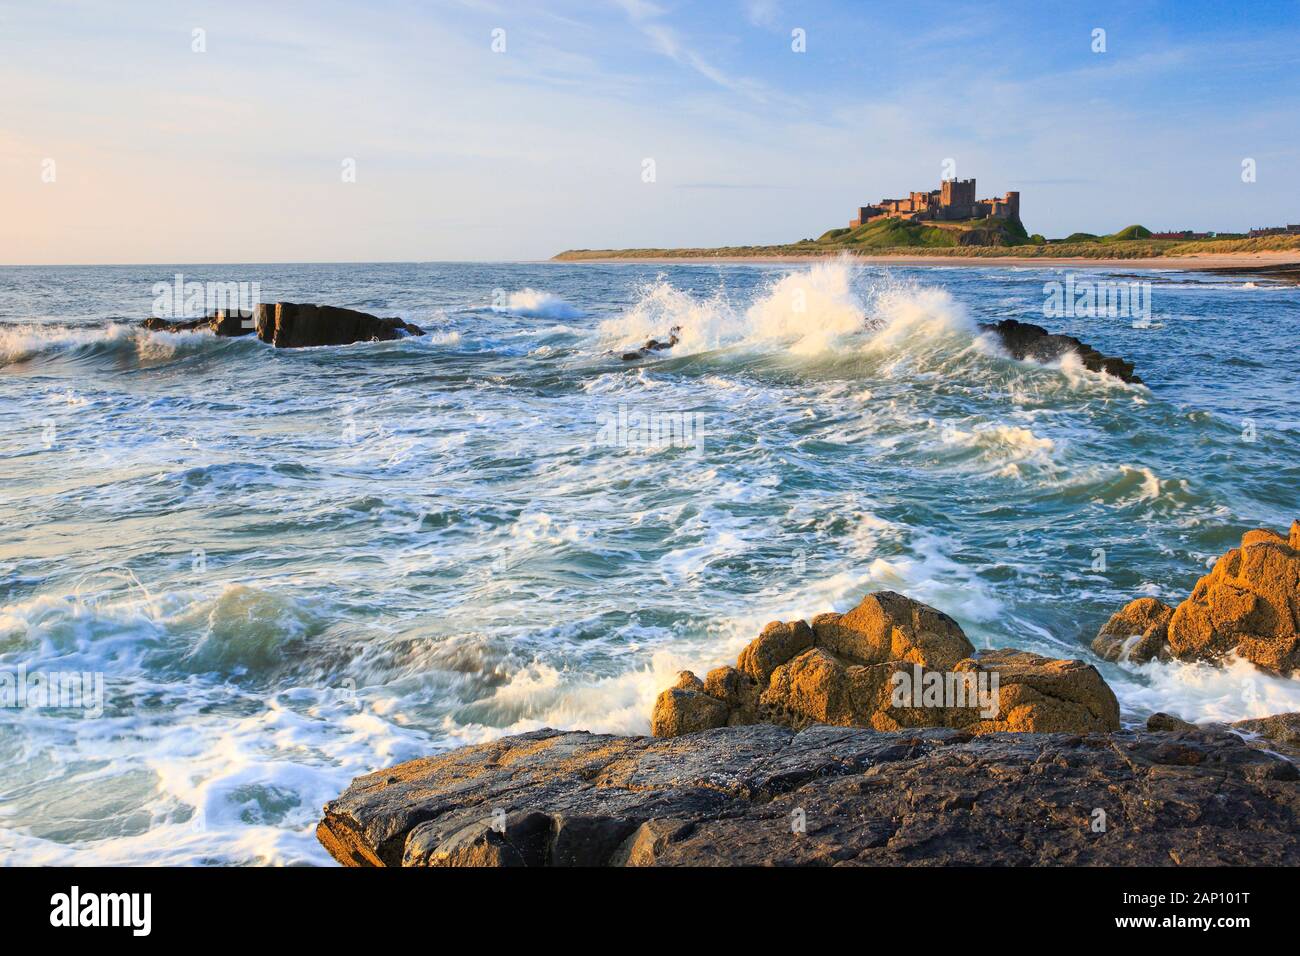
(649, 19)
(763, 13)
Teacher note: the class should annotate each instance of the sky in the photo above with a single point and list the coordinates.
(178, 132)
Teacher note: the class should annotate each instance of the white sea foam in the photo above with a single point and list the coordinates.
(442, 337)
(19, 343)
(24, 342)
(813, 311)
(535, 304)
(1201, 691)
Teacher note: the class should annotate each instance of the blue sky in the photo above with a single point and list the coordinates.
(235, 154)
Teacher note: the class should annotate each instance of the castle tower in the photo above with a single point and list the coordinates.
(957, 197)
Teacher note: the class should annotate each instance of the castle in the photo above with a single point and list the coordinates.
(1293, 229)
(953, 201)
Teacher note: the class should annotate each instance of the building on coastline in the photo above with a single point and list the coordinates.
(1287, 230)
(1182, 234)
(953, 201)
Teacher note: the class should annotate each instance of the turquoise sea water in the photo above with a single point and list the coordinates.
(292, 567)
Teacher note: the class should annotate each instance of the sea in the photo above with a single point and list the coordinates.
(277, 570)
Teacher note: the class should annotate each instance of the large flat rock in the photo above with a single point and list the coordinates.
(768, 795)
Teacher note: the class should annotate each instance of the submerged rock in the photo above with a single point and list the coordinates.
(654, 345)
(889, 663)
(1024, 340)
(1249, 604)
(227, 323)
(767, 795)
(290, 325)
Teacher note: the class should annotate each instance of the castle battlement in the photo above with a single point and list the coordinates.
(953, 201)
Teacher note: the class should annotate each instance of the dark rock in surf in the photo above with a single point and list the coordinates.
(1027, 341)
(227, 323)
(289, 325)
(762, 795)
(232, 323)
(654, 345)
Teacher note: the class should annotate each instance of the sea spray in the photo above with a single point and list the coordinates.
(824, 308)
(533, 304)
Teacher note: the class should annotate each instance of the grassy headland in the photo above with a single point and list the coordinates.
(984, 238)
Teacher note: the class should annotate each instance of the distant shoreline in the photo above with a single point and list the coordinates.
(1232, 262)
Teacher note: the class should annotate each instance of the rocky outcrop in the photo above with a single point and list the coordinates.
(685, 708)
(888, 664)
(290, 325)
(1138, 632)
(1024, 340)
(768, 795)
(1249, 604)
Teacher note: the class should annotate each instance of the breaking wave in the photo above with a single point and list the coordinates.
(538, 305)
(819, 310)
(28, 342)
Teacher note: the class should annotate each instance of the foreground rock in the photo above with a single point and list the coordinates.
(1024, 340)
(767, 795)
(293, 325)
(1279, 733)
(1249, 604)
(890, 663)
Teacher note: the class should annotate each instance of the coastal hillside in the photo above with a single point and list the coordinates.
(969, 239)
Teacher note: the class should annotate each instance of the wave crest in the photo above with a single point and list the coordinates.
(538, 305)
(810, 312)
(23, 343)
